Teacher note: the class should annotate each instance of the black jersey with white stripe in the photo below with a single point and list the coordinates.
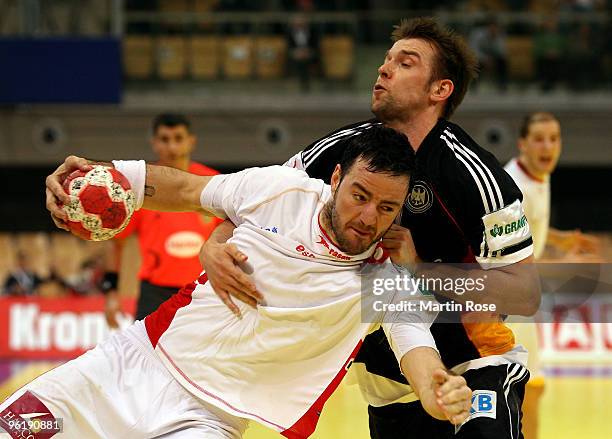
(462, 207)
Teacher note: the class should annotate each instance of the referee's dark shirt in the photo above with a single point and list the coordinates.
(459, 194)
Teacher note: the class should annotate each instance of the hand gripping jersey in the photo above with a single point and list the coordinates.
(170, 241)
(278, 364)
(459, 200)
(536, 202)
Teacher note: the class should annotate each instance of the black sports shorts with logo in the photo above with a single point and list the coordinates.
(495, 413)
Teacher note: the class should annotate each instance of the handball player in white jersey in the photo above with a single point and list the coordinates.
(539, 147)
(191, 369)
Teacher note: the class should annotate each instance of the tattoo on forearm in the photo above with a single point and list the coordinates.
(100, 162)
(149, 191)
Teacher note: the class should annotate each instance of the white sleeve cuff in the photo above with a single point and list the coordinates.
(211, 198)
(404, 337)
(136, 173)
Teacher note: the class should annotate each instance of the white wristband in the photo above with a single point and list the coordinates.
(136, 173)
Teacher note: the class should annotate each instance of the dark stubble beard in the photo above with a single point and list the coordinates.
(387, 111)
(331, 219)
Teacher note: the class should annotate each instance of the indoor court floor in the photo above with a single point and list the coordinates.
(572, 407)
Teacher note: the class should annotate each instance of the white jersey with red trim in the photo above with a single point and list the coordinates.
(536, 203)
(280, 362)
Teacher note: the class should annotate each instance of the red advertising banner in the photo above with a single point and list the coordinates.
(53, 328)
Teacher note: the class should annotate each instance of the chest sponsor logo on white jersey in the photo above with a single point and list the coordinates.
(333, 252)
(420, 198)
(184, 244)
(272, 229)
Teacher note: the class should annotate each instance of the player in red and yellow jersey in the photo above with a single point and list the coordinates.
(169, 241)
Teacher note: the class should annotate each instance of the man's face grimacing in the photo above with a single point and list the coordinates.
(541, 148)
(404, 85)
(363, 206)
(172, 144)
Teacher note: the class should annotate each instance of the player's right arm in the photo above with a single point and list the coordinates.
(163, 188)
(443, 395)
(221, 261)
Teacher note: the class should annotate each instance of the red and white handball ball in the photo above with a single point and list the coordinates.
(103, 203)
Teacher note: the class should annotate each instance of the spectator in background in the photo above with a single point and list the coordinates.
(303, 49)
(22, 281)
(549, 49)
(169, 241)
(489, 42)
(539, 147)
(90, 279)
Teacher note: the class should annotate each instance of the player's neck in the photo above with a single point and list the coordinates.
(325, 223)
(415, 128)
(531, 173)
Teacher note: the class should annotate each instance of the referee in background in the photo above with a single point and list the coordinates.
(169, 242)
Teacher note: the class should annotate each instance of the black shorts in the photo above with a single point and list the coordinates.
(496, 410)
(151, 296)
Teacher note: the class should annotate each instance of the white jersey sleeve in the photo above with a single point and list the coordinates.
(409, 329)
(404, 337)
(295, 162)
(536, 203)
(231, 195)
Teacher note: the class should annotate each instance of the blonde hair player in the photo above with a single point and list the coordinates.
(539, 147)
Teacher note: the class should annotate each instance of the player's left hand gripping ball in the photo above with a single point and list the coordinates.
(103, 203)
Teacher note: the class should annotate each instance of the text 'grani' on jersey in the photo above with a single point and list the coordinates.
(536, 202)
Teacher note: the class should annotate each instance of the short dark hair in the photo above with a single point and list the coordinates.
(454, 58)
(170, 120)
(531, 118)
(384, 149)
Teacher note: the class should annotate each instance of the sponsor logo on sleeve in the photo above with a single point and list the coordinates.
(506, 227)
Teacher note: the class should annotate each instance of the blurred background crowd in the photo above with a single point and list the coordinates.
(547, 44)
(262, 79)
(259, 81)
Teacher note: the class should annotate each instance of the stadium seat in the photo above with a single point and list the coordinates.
(171, 57)
(337, 56)
(10, 21)
(137, 56)
(271, 55)
(238, 56)
(204, 57)
(520, 57)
